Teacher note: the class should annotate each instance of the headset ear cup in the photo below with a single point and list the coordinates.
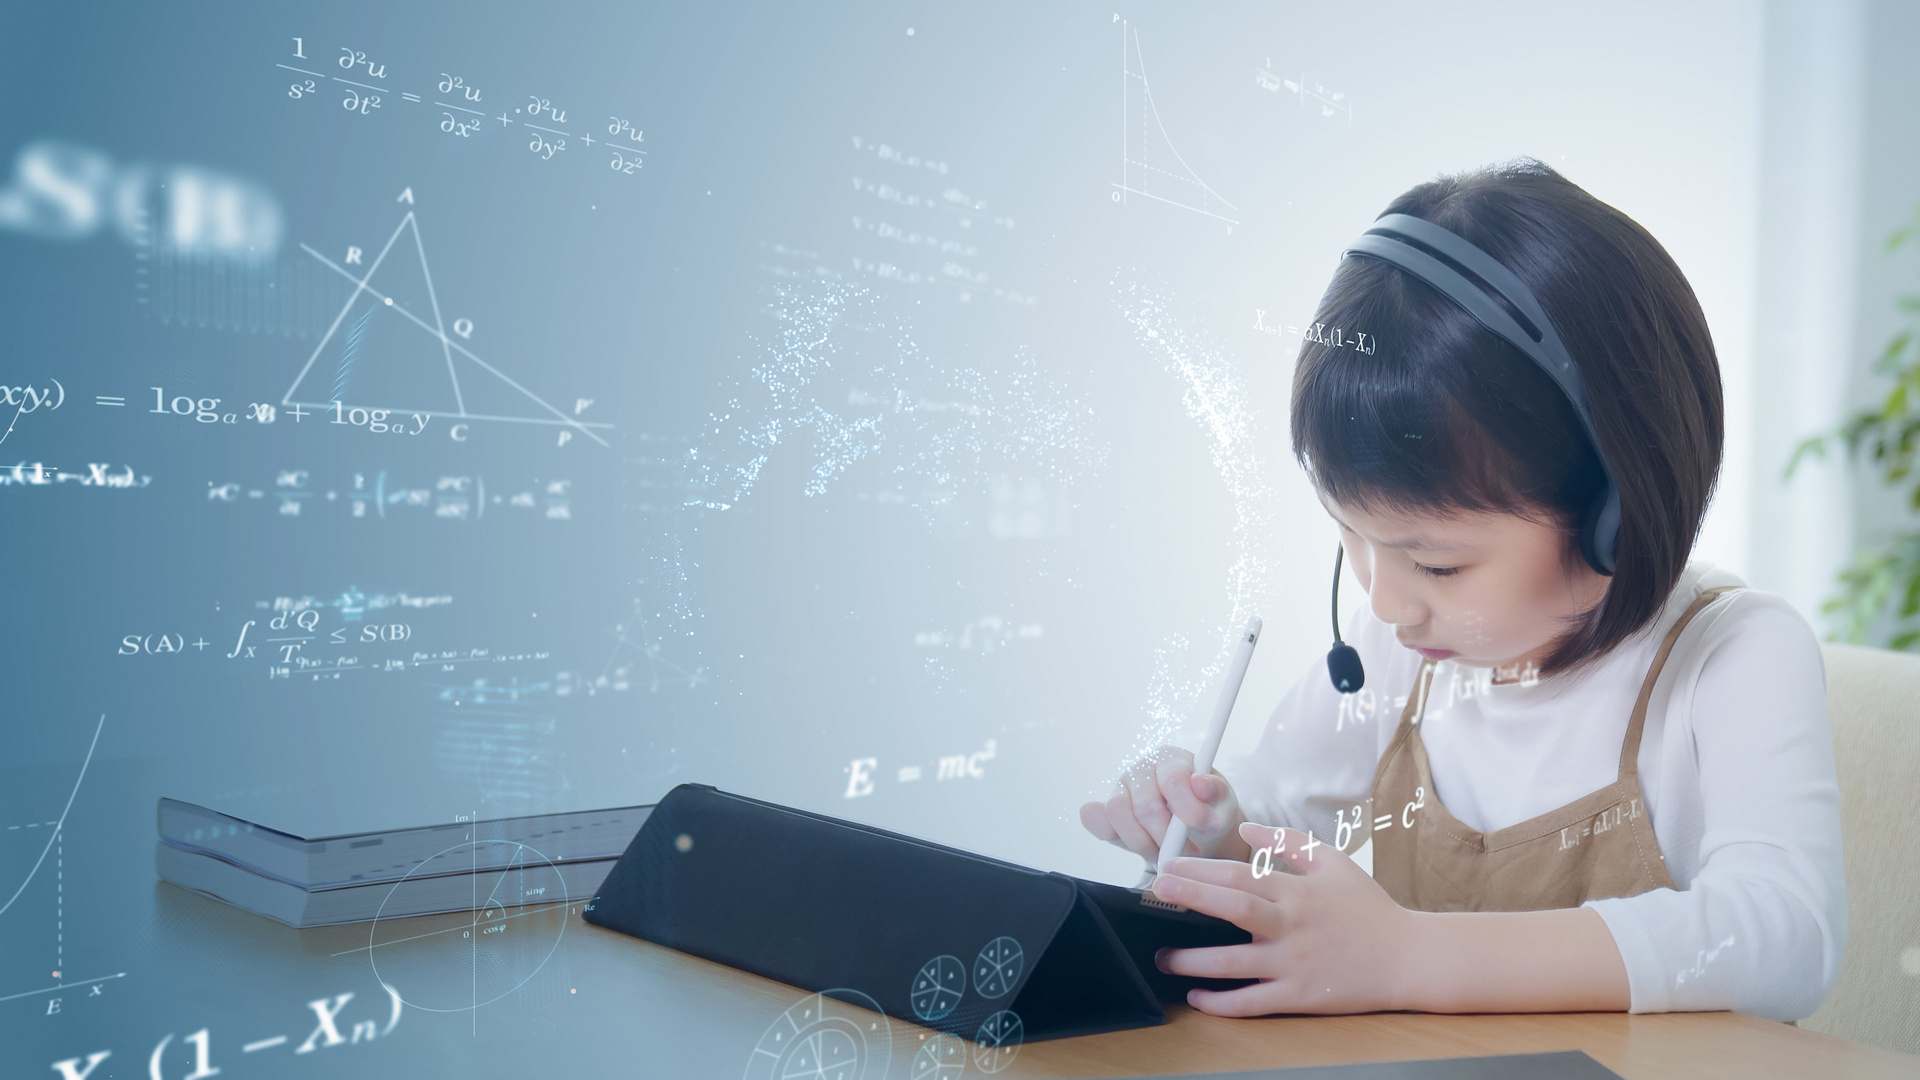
(1600, 531)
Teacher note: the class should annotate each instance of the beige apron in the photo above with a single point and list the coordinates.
(1593, 848)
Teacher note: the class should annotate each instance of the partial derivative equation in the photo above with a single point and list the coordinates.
(452, 104)
(192, 1057)
(378, 496)
(860, 771)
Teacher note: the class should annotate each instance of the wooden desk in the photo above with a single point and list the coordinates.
(603, 1004)
(1671, 1045)
(1691, 1045)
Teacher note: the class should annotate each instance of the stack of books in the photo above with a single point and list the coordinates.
(318, 881)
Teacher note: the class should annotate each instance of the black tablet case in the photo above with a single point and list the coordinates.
(823, 904)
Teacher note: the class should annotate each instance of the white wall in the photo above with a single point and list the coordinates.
(1889, 179)
(1809, 226)
(1839, 169)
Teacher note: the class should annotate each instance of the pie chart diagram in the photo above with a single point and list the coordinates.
(998, 968)
(941, 1057)
(998, 1041)
(482, 946)
(831, 1035)
(938, 987)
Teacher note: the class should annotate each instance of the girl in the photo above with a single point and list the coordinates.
(1587, 774)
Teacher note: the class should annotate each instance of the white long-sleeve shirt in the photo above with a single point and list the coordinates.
(1736, 763)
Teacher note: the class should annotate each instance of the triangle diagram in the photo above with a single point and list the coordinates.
(390, 347)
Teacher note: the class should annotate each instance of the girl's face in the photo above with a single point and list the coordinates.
(1481, 589)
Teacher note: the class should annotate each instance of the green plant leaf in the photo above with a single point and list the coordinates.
(1813, 447)
(1904, 233)
(1878, 594)
(1890, 356)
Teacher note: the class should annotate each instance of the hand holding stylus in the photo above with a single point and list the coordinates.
(1174, 844)
(1170, 789)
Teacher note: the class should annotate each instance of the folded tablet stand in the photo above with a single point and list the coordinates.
(937, 936)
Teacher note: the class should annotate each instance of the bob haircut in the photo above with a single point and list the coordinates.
(1443, 416)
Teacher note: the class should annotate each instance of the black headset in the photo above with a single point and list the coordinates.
(1443, 260)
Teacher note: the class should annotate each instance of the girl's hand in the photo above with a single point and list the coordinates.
(1156, 789)
(1326, 938)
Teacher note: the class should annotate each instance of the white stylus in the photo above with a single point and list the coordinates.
(1176, 838)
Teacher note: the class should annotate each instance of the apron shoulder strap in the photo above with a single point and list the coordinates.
(1630, 747)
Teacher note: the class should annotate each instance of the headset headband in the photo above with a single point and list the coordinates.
(1535, 337)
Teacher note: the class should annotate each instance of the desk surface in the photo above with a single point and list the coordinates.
(1693, 1045)
(606, 1004)
(557, 997)
(1673, 1045)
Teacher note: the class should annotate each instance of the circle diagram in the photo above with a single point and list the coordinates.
(494, 933)
(831, 1035)
(941, 1057)
(938, 987)
(998, 967)
(998, 1041)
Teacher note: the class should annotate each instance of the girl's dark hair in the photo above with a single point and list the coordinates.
(1435, 413)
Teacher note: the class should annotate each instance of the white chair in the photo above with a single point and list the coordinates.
(1873, 697)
